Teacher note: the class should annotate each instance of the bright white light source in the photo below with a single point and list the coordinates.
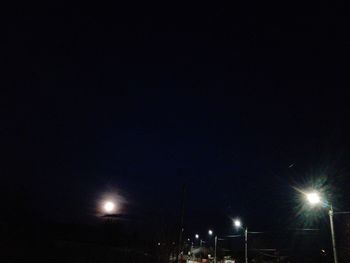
(197, 236)
(237, 223)
(109, 207)
(210, 232)
(313, 198)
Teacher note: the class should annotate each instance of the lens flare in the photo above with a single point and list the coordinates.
(237, 223)
(313, 198)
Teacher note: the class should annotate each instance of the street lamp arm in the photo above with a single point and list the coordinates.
(341, 212)
(249, 232)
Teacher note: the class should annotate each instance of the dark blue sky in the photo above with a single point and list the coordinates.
(143, 100)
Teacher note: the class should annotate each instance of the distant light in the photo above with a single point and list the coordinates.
(209, 256)
(210, 232)
(188, 239)
(109, 207)
(196, 236)
(110, 203)
(313, 198)
(158, 243)
(237, 223)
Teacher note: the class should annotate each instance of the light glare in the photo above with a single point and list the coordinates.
(237, 223)
(313, 198)
(210, 232)
(109, 207)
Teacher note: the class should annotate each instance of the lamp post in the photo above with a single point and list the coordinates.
(197, 237)
(210, 232)
(238, 224)
(200, 240)
(314, 198)
(246, 244)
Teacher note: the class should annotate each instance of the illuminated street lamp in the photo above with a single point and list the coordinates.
(238, 224)
(196, 236)
(210, 232)
(313, 199)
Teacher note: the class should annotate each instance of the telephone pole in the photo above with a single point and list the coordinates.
(182, 214)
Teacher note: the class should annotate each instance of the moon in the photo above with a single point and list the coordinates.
(109, 207)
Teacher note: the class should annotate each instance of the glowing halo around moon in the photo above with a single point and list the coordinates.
(110, 203)
(109, 207)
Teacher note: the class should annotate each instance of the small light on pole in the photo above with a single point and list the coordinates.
(196, 236)
(210, 232)
(237, 223)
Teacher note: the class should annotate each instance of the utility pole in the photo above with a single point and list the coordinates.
(246, 244)
(330, 213)
(181, 222)
(215, 245)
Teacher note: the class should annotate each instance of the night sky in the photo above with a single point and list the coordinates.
(240, 103)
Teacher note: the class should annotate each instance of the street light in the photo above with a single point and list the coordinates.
(200, 241)
(238, 224)
(210, 232)
(314, 198)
